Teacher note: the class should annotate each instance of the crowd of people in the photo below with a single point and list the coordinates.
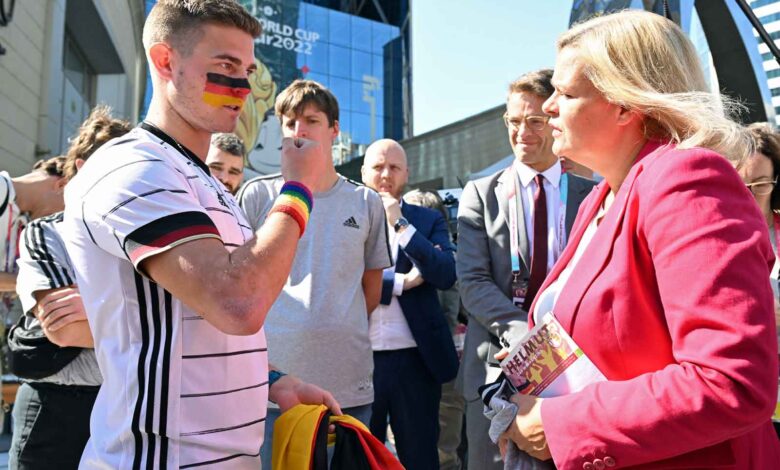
(171, 315)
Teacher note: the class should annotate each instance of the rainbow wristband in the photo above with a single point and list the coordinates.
(295, 200)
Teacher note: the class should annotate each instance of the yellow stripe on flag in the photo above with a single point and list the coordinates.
(218, 101)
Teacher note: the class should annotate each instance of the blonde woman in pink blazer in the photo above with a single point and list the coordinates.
(664, 283)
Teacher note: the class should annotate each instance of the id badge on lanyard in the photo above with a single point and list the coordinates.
(519, 282)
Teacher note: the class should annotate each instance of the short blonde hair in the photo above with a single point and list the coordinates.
(644, 62)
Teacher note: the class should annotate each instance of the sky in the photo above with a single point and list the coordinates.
(466, 52)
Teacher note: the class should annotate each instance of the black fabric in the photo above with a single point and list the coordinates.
(320, 457)
(32, 356)
(407, 393)
(348, 453)
(51, 426)
(4, 206)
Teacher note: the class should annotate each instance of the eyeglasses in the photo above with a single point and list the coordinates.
(762, 188)
(533, 122)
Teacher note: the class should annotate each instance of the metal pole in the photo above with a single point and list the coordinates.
(760, 28)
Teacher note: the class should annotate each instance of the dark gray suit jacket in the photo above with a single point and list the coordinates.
(485, 272)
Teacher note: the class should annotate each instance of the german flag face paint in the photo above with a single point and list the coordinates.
(222, 90)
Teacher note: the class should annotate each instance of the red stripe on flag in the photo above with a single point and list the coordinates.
(227, 91)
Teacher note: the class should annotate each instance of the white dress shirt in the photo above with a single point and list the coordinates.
(556, 209)
(387, 326)
(548, 297)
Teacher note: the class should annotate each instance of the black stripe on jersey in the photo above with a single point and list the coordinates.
(223, 459)
(32, 246)
(234, 245)
(167, 230)
(144, 321)
(52, 218)
(141, 196)
(227, 428)
(4, 206)
(38, 247)
(231, 353)
(62, 277)
(58, 218)
(164, 383)
(223, 392)
(154, 300)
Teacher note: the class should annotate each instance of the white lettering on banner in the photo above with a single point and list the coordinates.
(285, 36)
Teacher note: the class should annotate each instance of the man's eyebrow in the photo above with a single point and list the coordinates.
(230, 58)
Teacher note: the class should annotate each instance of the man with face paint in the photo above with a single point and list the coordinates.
(175, 284)
(318, 327)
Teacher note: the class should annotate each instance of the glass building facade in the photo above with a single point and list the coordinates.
(768, 12)
(361, 60)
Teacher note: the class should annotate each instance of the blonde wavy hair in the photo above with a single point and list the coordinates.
(644, 62)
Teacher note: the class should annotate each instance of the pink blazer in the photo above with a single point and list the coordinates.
(672, 302)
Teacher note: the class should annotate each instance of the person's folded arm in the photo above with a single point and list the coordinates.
(62, 316)
(433, 256)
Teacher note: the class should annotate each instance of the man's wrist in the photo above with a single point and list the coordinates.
(400, 225)
(405, 236)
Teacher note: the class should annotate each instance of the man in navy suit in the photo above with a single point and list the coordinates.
(413, 349)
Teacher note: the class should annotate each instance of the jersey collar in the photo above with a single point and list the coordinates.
(159, 133)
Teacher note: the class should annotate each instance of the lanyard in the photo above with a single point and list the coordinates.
(514, 201)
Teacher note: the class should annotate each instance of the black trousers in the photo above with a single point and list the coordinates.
(406, 391)
(51, 426)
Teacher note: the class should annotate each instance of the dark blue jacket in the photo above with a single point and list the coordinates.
(421, 304)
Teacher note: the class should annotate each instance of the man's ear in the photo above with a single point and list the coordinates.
(335, 129)
(160, 55)
(79, 162)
